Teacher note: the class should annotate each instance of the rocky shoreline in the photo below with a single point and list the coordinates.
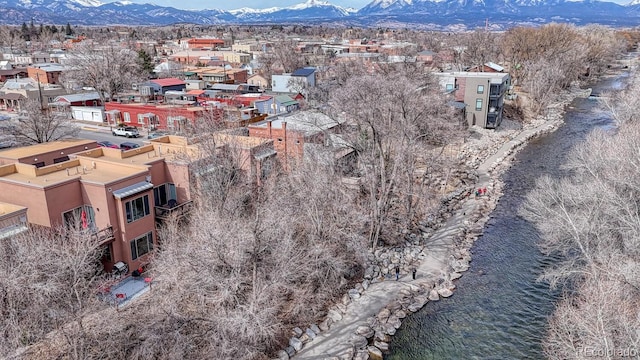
(371, 339)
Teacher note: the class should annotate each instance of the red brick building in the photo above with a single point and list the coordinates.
(211, 43)
(152, 115)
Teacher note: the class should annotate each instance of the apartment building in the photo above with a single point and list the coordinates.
(482, 93)
(117, 197)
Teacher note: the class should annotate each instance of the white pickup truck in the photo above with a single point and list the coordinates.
(128, 131)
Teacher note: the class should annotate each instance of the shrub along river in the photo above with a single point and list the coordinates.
(499, 310)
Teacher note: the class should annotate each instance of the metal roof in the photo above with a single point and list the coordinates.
(132, 189)
(286, 100)
(303, 72)
(229, 87)
(78, 97)
(168, 82)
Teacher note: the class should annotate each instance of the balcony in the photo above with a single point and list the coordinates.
(497, 91)
(104, 236)
(165, 212)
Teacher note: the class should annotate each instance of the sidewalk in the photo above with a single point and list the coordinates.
(336, 340)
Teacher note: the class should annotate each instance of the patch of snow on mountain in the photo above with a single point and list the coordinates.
(87, 3)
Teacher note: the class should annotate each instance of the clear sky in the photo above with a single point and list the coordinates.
(258, 4)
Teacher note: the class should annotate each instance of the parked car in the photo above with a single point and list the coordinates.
(128, 146)
(128, 131)
(157, 134)
(108, 144)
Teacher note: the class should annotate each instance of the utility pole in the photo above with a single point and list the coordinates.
(39, 92)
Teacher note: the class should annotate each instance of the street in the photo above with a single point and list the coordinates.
(105, 135)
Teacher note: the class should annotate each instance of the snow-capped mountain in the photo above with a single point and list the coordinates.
(312, 9)
(426, 14)
(475, 13)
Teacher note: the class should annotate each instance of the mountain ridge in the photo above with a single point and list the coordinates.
(421, 14)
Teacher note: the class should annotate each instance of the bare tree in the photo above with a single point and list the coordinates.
(48, 283)
(36, 125)
(109, 70)
(591, 219)
(393, 121)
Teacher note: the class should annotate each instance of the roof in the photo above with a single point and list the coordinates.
(457, 104)
(427, 53)
(12, 72)
(49, 67)
(494, 66)
(304, 72)
(12, 96)
(286, 100)
(132, 189)
(168, 82)
(19, 153)
(229, 87)
(78, 97)
(308, 122)
(195, 92)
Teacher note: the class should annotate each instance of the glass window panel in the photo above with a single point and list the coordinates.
(134, 252)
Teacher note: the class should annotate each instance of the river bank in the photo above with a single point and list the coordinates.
(361, 324)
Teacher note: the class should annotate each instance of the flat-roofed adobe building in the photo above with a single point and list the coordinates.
(119, 195)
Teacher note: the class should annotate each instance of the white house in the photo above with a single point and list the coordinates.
(294, 82)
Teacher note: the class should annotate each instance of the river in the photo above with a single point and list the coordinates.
(499, 310)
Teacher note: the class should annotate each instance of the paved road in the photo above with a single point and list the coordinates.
(91, 133)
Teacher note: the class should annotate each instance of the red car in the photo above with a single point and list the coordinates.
(108, 144)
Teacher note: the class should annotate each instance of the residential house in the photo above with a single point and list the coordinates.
(482, 93)
(276, 105)
(45, 73)
(294, 82)
(290, 133)
(81, 106)
(80, 99)
(15, 92)
(258, 80)
(160, 86)
(17, 73)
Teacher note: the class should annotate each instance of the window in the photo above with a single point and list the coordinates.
(127, 117)
(140, 119)
(80, 217)
(137, 208)
(107, 250)
(273, 83)
(142, 245)
(478, 104)
(480, 89)
(60, 159)
(449, 87)
(163, 193)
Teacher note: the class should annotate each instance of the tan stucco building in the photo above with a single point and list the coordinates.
(118, 197)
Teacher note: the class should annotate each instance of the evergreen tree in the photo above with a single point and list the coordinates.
(25, 32)
(68, 30)
(145, 60)
(32, 30)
